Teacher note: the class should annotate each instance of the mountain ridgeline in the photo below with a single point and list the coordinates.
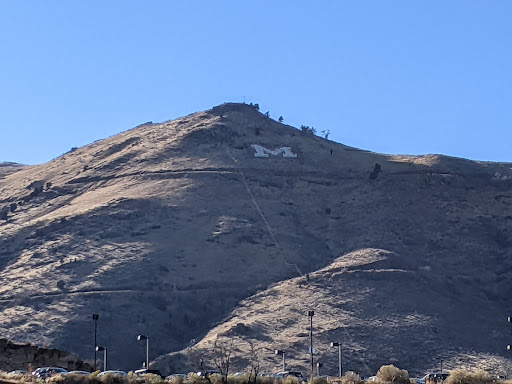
(226, 224)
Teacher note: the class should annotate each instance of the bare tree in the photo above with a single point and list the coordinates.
(196, 360)
(254, 362)
(222, 355)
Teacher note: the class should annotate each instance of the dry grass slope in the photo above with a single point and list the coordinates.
(172, 229)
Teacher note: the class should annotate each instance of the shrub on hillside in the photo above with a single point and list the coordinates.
(375, 172)
(392, 374)
(351, 378)
(462, 376)
(308, 129)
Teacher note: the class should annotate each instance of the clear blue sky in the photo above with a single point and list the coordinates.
(409, 77)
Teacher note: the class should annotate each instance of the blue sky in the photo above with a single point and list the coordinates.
(408, 77)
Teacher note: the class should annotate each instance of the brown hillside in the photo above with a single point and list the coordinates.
(165, 228)
(379, 306)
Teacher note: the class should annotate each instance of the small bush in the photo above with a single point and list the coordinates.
(392, 374)
(308, 129)
(265, 380)
(326, 133)
(462, 376)
(216, 378)
(376, 170)
(316, 380)
(21, 377)
(244, 379)
(351, 378)
(175, 380)
(196, 379)
(110, 378)
(73, 379)
(151, 378)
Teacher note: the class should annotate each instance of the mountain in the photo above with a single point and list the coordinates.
(228, 222)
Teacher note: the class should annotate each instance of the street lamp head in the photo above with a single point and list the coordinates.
(335, 344)
(95, 316)
(311, 313)
(509, 319)
(142, 337)
(278, 351)
(100, 348)
(509, 347)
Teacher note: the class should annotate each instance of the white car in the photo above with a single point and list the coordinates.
(78, 373)
(120, 373)
(46, 372)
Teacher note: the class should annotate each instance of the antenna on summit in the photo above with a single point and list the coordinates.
(244, 99)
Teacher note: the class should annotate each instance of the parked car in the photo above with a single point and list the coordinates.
(143, 371)
(182, 375)
(78, 373)
(209, 372)
(113, 372)
(17, 372)
(285, 374)
(437, 376)
(46, 372)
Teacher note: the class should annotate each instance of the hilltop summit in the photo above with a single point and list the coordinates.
(214, 219)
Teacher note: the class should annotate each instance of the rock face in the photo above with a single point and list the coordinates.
(29, 357)
(173, 230)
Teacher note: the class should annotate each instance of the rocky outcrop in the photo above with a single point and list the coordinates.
(29, 357)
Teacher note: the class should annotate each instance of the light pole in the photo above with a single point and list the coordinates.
(340, 365)
(318, 366)
(142, 337)
(104, 349)
(311, 314)
(281, 352)
(509, 347)
(95, 317)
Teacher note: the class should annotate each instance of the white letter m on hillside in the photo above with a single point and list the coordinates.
(264, 152)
